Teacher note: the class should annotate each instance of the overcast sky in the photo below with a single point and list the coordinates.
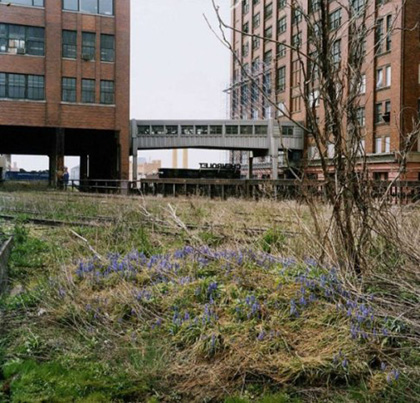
(179, 70)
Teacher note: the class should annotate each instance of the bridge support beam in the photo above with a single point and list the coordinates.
(250, 164)
(56, 163)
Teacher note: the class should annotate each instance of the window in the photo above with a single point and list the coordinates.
(245, 6)
(68, 89)
(267, 83)
(383, 77)
(378, 145)
(255, 43)
(314, 5)
(88, 91)
(256, 20)
(32, 3)
(268, 32)
(379, 33)
(216, 129)
(16, 86)
(361, 117)
(268, 11)
(297, 40)
(387, 144)
(281, 50)
(358, 6)
(281, 79)
(281, 109)
(282, 25)
(386, 117)
(21, 39)
(378, 113)
(388, 42)
(268, 58)
(232, 129)
(107, 92)
(104, 7)
(107, 48)
(314, 98)
(88, 45)
(69, 44)
(245, 28)
(245, 49)
(336, 51)
(22, 86)
(261, 129)
(3, 89)
(297, 16)
(335, 19)
(36, 87)
(362, 85)
(287, 130)
(202, 130)
(281, 4)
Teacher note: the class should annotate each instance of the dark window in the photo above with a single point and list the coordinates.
(107, 48)
(281, 79)
(68, 89)
(2, 85)
(16, 87)
(70, 44)
(281, 50)
(107, 92)
(378, 113)
(88, 45)
(201, 130)
(231, 129)
(88, 91)
(282, 25)
(261, 129)
(335, 19)
(35, 41)
(105, 7)
(216, 129)
(36, 87)
(268, 11)
(281, 4)
(287, 130)
(3, 38)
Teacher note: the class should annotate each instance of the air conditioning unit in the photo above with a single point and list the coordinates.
(386, 117)
(20, 51)
(86, 57)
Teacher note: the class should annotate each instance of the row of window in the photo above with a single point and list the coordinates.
(27, 40)
(202, 130)
(69, 91)
(107, 46)
(104, 7)
(32, 87)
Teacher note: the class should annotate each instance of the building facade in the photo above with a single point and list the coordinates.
(64, 83)
(265, 36)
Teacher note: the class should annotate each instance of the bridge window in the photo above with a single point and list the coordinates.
(172, 129)
(216, 129)
(246, 129)
(287, 130)
(232, 130)
(187, 129)
(261, 129)
(158, 130)
(144, 129)
(202, 129)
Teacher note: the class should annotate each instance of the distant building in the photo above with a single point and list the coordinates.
(145, 169)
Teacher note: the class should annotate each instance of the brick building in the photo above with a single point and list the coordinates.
(390, 85)
(64, 83)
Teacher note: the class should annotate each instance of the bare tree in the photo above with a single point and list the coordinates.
(330, 86)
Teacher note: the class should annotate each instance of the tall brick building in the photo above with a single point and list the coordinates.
(390, 86)
(64, 82)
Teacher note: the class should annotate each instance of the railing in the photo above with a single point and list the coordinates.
(401, 192)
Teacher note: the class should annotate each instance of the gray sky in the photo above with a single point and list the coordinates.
(178, 70)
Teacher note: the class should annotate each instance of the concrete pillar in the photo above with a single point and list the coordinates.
(275, 166)
(250, 163)
(175, 158)
(57, 157)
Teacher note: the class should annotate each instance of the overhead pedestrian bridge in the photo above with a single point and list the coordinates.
(261, 137)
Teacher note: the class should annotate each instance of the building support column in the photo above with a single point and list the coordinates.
(57, 158)
(250, 163)
(274, 150)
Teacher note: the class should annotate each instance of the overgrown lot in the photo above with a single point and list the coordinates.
(159, 300)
